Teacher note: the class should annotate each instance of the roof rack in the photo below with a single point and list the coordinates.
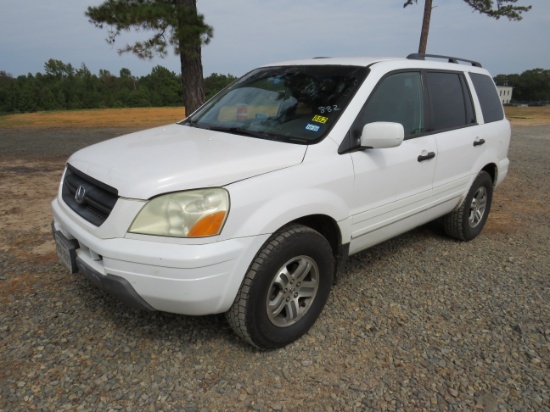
(456, 60)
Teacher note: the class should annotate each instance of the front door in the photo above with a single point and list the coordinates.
(392, 185)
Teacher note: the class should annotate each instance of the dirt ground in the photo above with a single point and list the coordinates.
(31, 163)
(35, 146)
(33, 150)
(417, 320)
(32, 160)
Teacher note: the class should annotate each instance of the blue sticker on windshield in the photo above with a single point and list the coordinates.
(313, 127)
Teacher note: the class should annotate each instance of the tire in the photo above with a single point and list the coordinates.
(468, 220)
(285, 288)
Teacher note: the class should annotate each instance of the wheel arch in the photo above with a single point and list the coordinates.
(492, 170)
(330, 230)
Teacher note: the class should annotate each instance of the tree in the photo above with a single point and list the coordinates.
(215, 82)
(530, 86)
(492, 8)
(63, 86)
(174, 23)
(7, 85)
(57, 69)
(163, 87)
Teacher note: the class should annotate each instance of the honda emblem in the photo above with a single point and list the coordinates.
(80, 194)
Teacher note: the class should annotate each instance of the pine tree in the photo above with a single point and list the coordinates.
(492, 8)
(174, 23)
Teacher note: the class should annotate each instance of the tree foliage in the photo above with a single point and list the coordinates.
(172, 23)
(529, 87)
(63, 87)
(215, 82)
(499, 8)
(492, 8)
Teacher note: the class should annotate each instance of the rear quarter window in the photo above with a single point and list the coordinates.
(491, 107)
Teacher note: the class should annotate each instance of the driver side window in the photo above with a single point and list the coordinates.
(397, 98)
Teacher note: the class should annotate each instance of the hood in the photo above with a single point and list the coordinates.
(177, 157)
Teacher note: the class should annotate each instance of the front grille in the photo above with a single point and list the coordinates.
(89, 198)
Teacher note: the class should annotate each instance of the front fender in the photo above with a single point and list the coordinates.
(263, 204)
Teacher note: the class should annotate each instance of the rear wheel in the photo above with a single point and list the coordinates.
(468, 220)
(285, 288)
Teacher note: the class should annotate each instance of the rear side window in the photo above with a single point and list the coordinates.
(491, 107)
(450, 101)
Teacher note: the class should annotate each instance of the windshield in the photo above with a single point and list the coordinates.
(297, 104)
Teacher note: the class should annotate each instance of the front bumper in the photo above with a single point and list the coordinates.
(149, 273)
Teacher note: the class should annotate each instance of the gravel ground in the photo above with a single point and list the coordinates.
(420, 322)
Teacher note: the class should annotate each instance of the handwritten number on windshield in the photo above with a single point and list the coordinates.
(328, 109)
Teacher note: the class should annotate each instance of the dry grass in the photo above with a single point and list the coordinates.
(528, 116)
(142, 118)
(128, 118)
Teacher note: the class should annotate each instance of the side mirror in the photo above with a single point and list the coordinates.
(380, 135)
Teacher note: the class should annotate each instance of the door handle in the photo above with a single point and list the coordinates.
(428, 156)
(479, 142)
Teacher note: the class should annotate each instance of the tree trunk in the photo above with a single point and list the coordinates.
(192, 80)
(425, 27)
(190, 59)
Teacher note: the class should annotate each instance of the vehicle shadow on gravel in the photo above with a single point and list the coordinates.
(95, 307)
(195, 331)
(386, 251)
(166, 328)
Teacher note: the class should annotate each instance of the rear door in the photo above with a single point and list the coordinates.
(494, 134)
(453, 124)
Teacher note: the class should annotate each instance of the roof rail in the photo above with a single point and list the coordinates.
(419, 56)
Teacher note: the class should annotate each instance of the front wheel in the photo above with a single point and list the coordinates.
(468, 220)
(285, 288)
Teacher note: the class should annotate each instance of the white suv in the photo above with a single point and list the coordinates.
(252, 204)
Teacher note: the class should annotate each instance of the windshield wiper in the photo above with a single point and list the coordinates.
(243, 132)
(234, 130)
(191, 123)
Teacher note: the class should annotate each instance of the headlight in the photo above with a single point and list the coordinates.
(196, 213)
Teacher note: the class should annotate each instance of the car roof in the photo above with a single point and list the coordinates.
(413, 61)
(337, 61)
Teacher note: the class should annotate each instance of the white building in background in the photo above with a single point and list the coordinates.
(505, 94)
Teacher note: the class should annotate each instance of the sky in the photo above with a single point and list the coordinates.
(250, 33)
